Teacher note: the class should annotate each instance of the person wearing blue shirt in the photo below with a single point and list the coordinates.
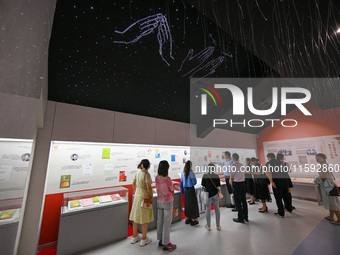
(226, 165)
(188, 179)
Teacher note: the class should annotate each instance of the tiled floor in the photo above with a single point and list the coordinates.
(265, 234)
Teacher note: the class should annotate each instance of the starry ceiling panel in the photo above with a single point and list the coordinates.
(137, 56)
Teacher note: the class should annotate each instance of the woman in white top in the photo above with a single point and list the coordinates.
(331, 203)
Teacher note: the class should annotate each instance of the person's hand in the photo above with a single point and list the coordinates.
(138, 29)
(274, 185)
(208, 68)
(191, 63)
(165, 41)
(230, 182)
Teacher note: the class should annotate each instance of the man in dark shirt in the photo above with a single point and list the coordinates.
(277, 176)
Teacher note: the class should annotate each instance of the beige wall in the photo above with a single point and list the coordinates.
(79, 123)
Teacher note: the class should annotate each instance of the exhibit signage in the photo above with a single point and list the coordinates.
(300, 154)
(15, 157)
(77, 166)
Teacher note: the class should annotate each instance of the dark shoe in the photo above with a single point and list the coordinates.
(194, 223)
(260, 209)
(246, 220)
(279, 215)
(234, 210)
(160, 243)
(265, 211)
(329, 219)
(169, 247)
(230, 206)
(187, 221)
(293, 207)
(252, 203)
(238, 220)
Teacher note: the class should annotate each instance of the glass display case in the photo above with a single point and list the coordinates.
(10, 210)
(92, 218)
(83, 200)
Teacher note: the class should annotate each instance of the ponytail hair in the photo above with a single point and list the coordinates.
(187, 168)
(144, 164)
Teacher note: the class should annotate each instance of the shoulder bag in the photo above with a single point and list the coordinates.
(174, 211)
(220, 195)
(335, 192)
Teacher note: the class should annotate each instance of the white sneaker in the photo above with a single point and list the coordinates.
(135, 239)
(145, 242)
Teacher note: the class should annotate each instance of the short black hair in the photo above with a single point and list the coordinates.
(253, 159)
(271, 155)
(163, 168)
(279, 156)
(321, 155)
(236, 156)
(227, 153)
(211, 168)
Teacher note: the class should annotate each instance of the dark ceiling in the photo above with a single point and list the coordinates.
(138, 56)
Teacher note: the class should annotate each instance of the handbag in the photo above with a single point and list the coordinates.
(174, 212)
(146, 202)
(204, 196)
(335, 191)
(220, 195)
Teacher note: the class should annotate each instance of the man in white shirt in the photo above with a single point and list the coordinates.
(237, 179)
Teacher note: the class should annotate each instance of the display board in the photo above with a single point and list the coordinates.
(14, 165)
(300, 153)
(202, 156)
(76, 166)
(79, 166)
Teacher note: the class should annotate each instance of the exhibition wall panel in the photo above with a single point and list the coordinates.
(300, 154)
(15, 156)
(323, 125)
(75, 166)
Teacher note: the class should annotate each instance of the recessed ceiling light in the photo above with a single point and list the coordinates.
(338, 31)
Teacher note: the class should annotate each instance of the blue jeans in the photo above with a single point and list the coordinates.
(164, 221)
(215, 201)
